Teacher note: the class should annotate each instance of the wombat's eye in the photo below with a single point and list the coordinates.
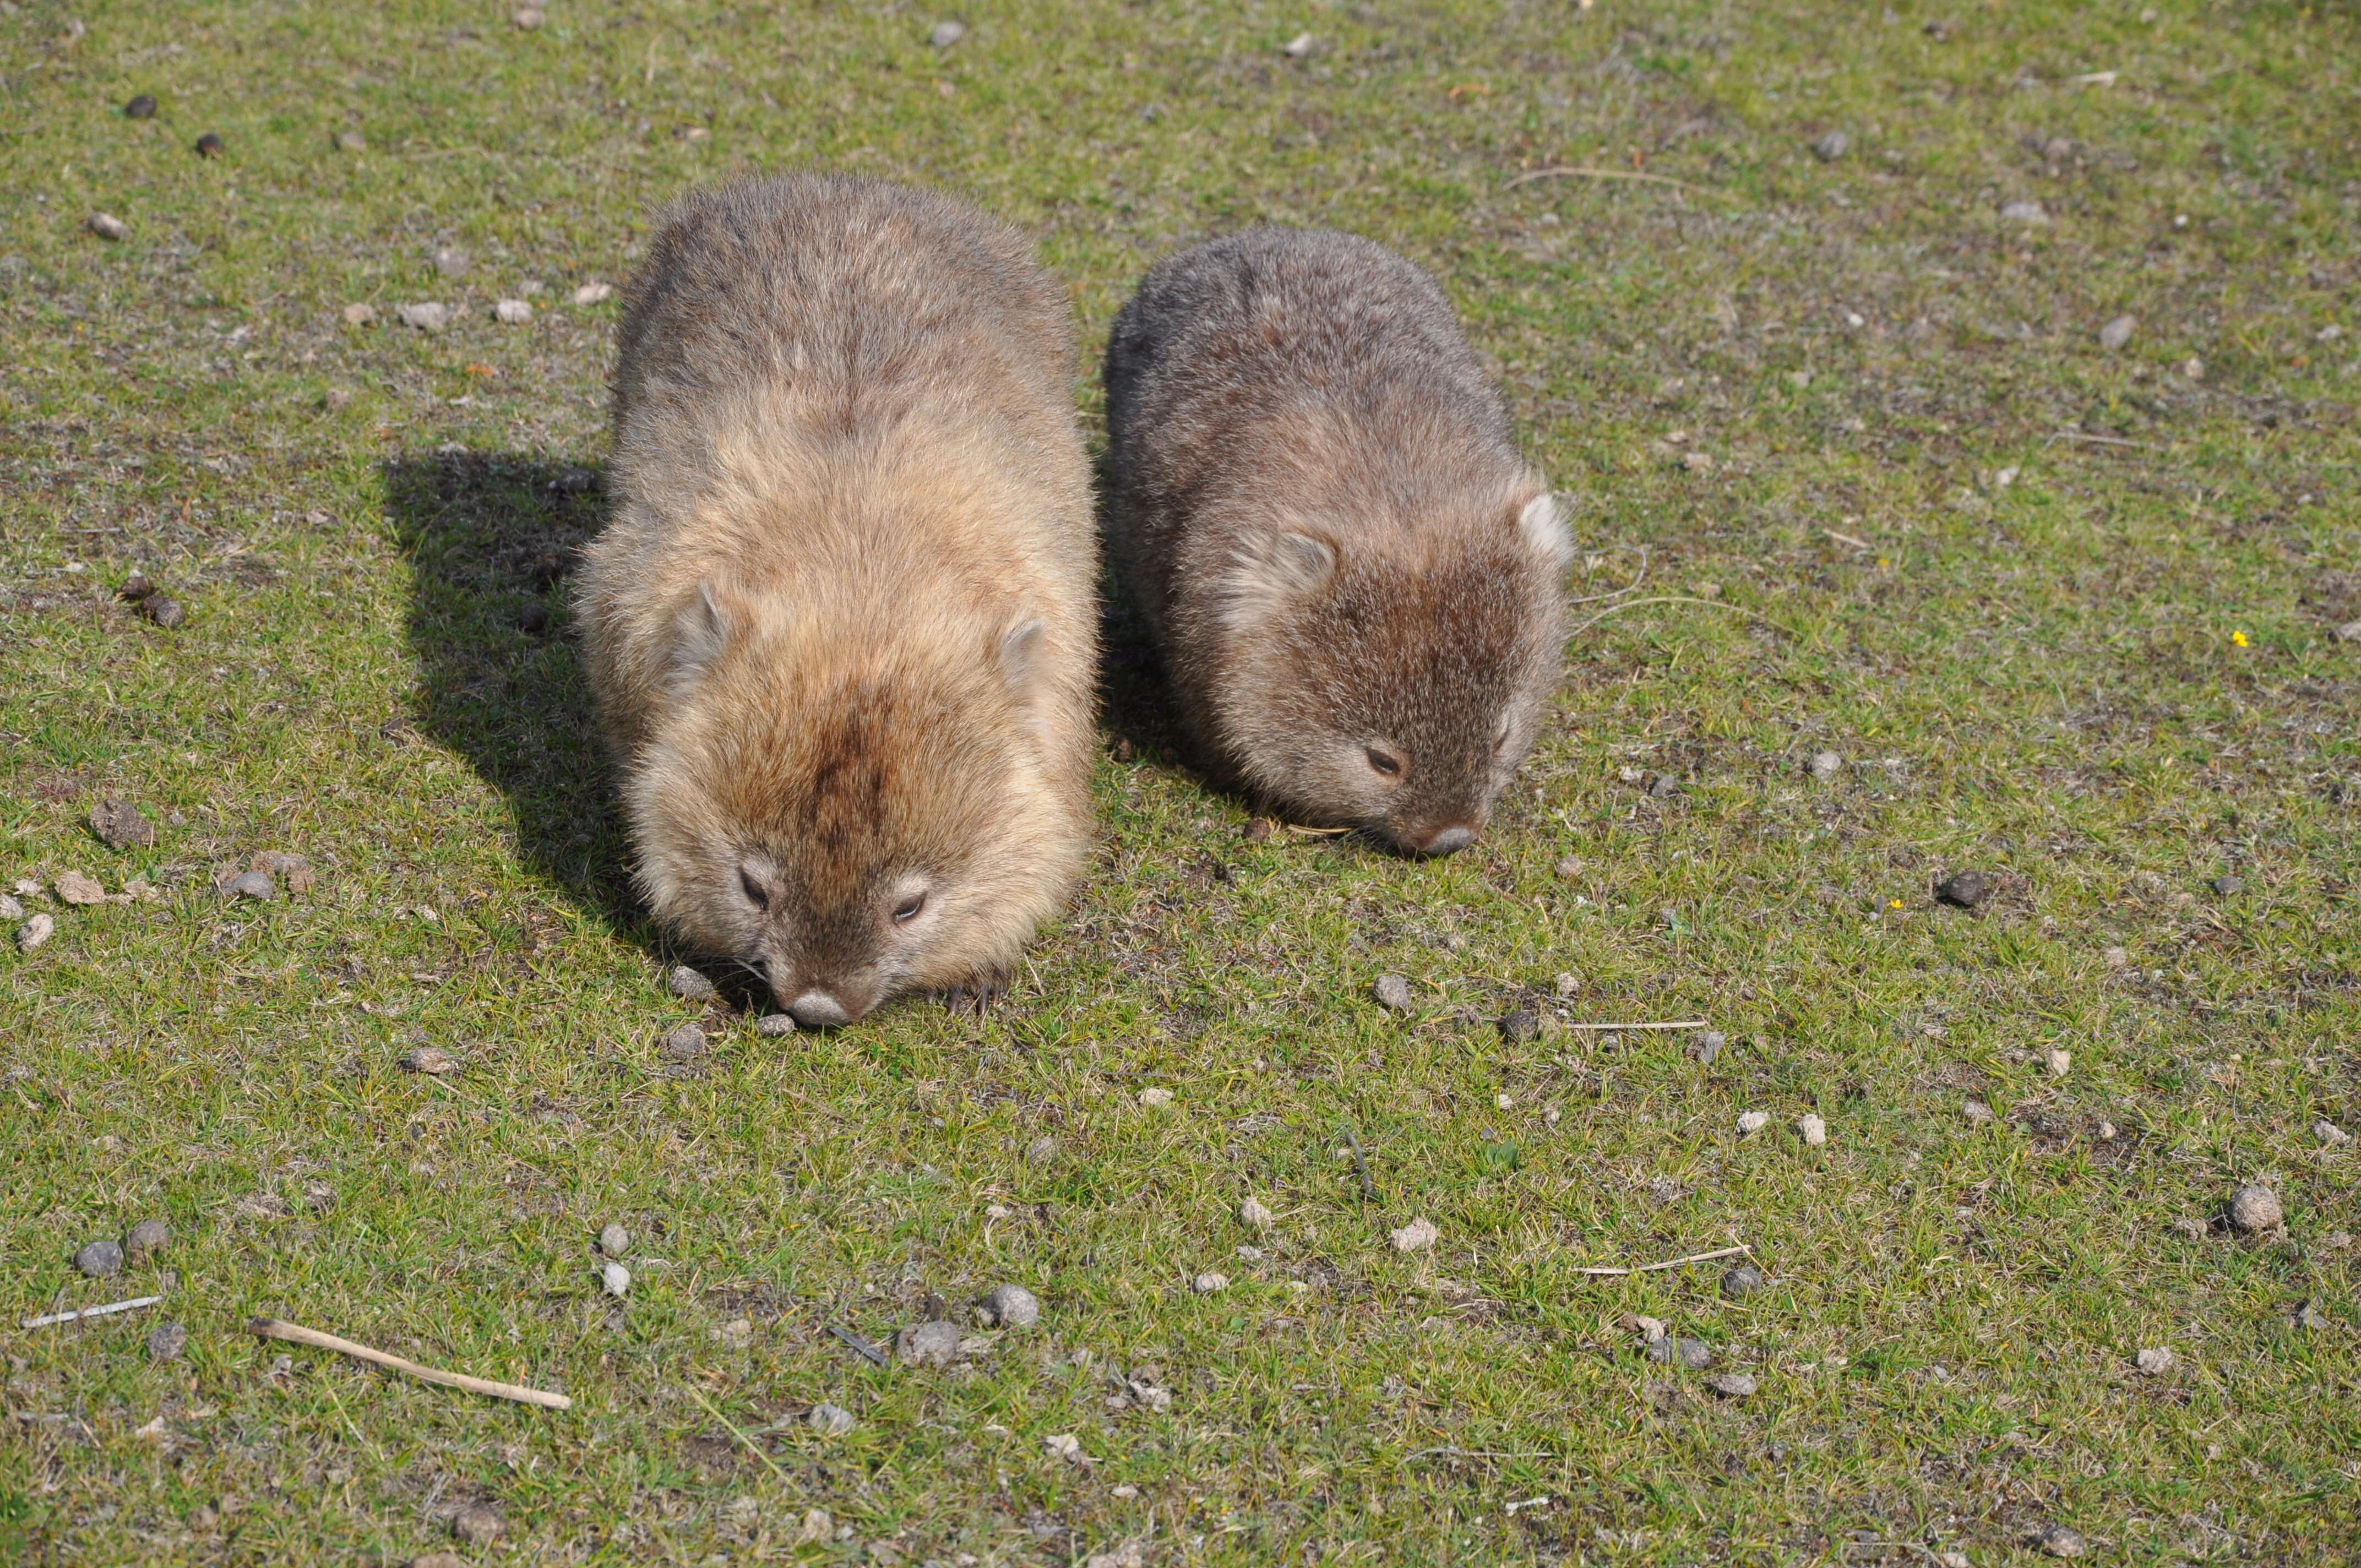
(1385, 762)
(754, 889)
(907, 910)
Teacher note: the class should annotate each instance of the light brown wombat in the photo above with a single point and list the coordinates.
(1355, 581)
(843, 624)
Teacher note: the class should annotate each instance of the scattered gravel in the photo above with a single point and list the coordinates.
(685, 1043)
(947, 33)
(1210, 1284)
(614, 1278)
(166, 1341)
(2058, 1540)
(478, 1524)
(834, 1421)
(1742, 1281)
(141, 107)
(1825, 765)
(1391, 992)
(1732, 1385)
(1521, 1026)
(106, 225)
(2256, 1207)
(76, 889)
(2117, 332)
(1252, 1212)
(429, 315)
(432, 1060)
(2155, 1363)
(1152, 1098)
(100, 1259)
(147, 1238)
(121, 827)
(1693, 1353)
(593, 294)
(513, 313)
(1419, 1233)
(773, 1026)
(932, 1345)
(250, 885)
(614, 1240)
(1011, 1307)
(1964, 890)
(1832, 147)
(688, 985)
(1814, 1131)
(34, 932)
(1753, 1121)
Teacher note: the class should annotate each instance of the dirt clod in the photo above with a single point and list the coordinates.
(1742, 1282)
(934, 1345)
(1011, 1307)
(2256, 1207)
(685, 1043)
(1391, 992)
(1824, 765)
(1521, 1026)
(106, 225)
(78, 890)
(1671, 1351)
(478, 1524)
(426, 316)
(210, 144)
(2117, 332)
(1732, 1385)
(1832, 147)
(687, 984)
(432, 1060)
(141, 107)
(2154, 1362)
(146, 1239)
(947, 33)
(100, 1259)
(1419, 1233)
(34, 932)
(614, 1240)
(166, 1341)
(834, 1421)
(120, 826)
(2060, 1541)
(164, 610)
(1964, 890)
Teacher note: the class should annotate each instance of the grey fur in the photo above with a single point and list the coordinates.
(1318, 507)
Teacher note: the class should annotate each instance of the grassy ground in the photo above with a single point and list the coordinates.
(2067, 612)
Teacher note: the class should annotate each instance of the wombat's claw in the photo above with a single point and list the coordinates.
(975, 997)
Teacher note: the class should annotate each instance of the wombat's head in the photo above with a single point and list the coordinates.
(850, 816)
(1392, 688)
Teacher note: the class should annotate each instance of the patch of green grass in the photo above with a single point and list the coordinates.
(2067, 614)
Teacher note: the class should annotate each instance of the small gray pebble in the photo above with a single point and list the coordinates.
(1964, 890)
(927, 1344)
(1742, 1282)
(1832, 147)
(1012, 1306)
(1392, 993)
(2256, 1207)
(1825, 765)
(2117, 332)
(614, 1278)
(685, 1043)
(1693, 1353)
(688, 985)
(426, 316)
(165, 1342)
(773, 1026)
(147, 1238)
(250, 885)
(833, 1420)
(1521, 1026)
(614, 1240)
(2058, 1540)
(2227, 886)
(1732, 1385)
(452, 262)
(99, 1259)
(946, 33)
(1710, 1044)
(1041, 1150)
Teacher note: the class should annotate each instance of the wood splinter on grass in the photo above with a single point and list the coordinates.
(275, 1328)
(1613, 1028)
(46, 1319)
(1672, 1263)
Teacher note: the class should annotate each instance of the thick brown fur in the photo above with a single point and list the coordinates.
(1318, 509)
(843, 624)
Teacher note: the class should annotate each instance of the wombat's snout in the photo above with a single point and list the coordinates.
(819, 1007)
(1442, 841)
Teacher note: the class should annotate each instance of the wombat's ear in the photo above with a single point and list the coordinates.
(1543, 528)
(701, 630)
(1019, 658)
(1272, 568)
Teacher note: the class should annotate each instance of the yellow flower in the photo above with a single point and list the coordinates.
(2239, 638)
(1893, 903)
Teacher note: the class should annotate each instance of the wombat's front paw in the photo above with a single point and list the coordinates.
(974, 996)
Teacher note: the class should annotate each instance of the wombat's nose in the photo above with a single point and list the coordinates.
(819, 1010)
(1442, 840)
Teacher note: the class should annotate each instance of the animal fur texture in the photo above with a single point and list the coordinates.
(843, 624)
(1354, 580)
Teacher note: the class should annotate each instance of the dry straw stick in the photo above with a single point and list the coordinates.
(1671, 1263)
(1609, 1028)
(46, 1319)
(275, 1328)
